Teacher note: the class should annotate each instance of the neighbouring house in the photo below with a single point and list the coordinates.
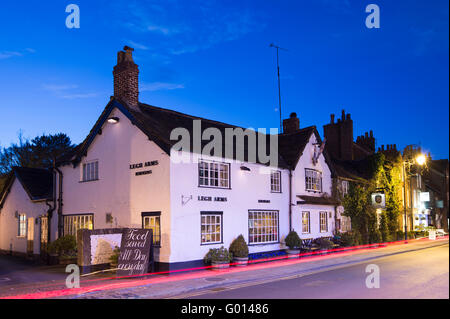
(127, 173)
(25, 203)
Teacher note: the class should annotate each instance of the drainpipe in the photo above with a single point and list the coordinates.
(60, 201)
(290, 199)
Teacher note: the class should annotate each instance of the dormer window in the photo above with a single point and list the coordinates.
(313, 180)
(90, 171)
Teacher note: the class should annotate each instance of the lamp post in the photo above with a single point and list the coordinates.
(420, 160)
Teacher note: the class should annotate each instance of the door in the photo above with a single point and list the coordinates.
(43, 237)
(30, 236)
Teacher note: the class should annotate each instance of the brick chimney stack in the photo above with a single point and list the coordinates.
(291, 124)
(339, 136)
(126, 77)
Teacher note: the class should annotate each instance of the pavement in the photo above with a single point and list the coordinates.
(205, 282)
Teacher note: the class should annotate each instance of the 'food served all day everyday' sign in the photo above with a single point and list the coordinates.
(135, 252)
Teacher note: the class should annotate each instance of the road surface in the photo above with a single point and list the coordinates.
(417, 274)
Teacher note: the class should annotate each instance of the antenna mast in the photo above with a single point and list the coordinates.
(279, 85)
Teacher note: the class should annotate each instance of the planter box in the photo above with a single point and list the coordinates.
(293, 253)
(240, 261)
(219, 265)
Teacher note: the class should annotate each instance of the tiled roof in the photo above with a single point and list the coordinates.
(157, 123)
(37, 182)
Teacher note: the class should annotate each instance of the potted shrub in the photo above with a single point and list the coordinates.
(114, 258)
(239, 251)
(219, 258)
(293, 242)
(65, 248)
(324, 243)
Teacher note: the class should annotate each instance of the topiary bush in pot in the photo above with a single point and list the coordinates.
(65, 248)
(294, 244)
(239, 250)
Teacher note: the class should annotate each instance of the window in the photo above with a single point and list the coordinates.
(90, 171)
(211, 228)
(153, 221)
(214, 174)
(22, 229)
(305, 223)
(275, 182)
(263, 227)
(345, 186)
(313, 180)
(72, 223)
(323, 222)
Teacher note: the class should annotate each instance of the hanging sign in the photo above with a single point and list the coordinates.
(379, 200)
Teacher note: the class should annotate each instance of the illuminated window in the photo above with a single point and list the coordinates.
(213, 174)
(323, 222)
(275, 182)
(211, 227)
(90, 171)
(313, 180)
(22, 229)
(153, 221)
(305, 223)
(72, 223)
(345, 186)
(263, 226)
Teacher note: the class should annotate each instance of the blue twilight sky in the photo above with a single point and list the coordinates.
(212, 59)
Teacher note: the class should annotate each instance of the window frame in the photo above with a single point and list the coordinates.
(215, 214)
(277, 172)
(277, 212)
(74, 216)
(84, 173)
(306, 180)
(309, 222)
(209, 162)
(323, 213)
(22, 226)
(346, 188)
(153, 214)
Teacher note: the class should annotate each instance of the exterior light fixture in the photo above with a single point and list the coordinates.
(421, 159)
(113, 120)
(245, 168)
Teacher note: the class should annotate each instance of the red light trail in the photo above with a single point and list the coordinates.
(202, 272)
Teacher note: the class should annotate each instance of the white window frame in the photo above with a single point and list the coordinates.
(211, 227)
(306, 227)
(275, 182)
(313, 180)
(263, 227)
(153, 222)
(89, 171)
(22, 225)
(345, 187)
(214, 174)
(323, 222)
(72, 223)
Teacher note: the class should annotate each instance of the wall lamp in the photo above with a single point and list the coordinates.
(113, 120)
(245, 168)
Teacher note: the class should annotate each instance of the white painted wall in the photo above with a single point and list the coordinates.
(118, 191)
(299, 188)
(18, 200)
(247, 187)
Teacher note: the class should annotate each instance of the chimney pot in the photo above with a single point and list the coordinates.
(126, 78)
(332, 118)
(291, 124)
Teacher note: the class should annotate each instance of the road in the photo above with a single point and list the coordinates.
(422, 273)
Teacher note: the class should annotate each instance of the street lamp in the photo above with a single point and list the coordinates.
(420, 160)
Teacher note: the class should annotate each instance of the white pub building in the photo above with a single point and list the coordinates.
(124, 175)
